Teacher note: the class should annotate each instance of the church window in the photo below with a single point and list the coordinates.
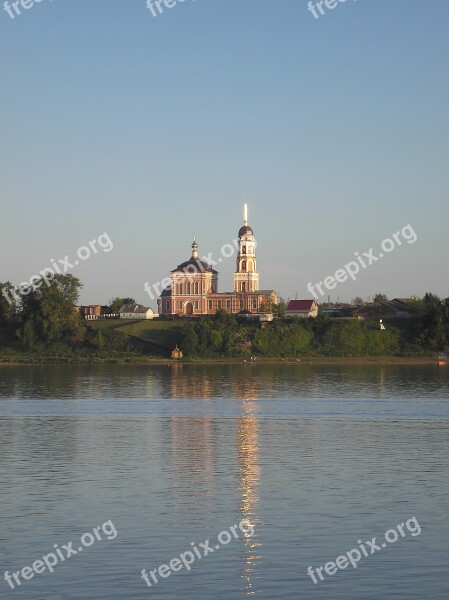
(243, 265)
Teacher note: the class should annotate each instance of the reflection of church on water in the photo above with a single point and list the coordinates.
(198, 465)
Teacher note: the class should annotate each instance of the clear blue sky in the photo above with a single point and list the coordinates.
(152, 129)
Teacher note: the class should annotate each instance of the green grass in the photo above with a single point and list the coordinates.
(106, 324)
(152, 338)
(165, 334)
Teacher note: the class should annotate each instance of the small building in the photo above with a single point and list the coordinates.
(136, 311)
(402, 306)
(343, 311)
(304, 309)
(177, 354)
(385, 309)
(257, 317)
(93, 312)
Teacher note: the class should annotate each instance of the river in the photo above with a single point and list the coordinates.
(258, 472)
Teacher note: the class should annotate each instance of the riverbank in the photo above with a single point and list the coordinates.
(353, 361)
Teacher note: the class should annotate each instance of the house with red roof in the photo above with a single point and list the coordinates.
(302, 308)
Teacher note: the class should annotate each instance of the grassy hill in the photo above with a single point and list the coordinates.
(150, 339)
(160, 334)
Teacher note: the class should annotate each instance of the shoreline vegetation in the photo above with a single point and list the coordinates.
(44, 327)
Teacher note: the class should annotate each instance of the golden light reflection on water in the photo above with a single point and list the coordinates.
(249, 478)
(193, 447)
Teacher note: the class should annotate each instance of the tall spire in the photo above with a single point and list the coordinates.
(245, 214)
(194, 248)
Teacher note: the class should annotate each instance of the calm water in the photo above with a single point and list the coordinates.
(315, 458)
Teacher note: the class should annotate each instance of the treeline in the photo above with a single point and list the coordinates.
(44, 321)
(225, 336)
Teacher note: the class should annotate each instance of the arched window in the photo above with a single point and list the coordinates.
(243, 265)
(188, 288)
(180, 289)
(218, 304)
(196, 288)
(243, 249)
(243, 286)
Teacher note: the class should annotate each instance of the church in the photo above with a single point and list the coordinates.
(194, 284)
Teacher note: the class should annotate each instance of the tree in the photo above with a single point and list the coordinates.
(380, 298)
(434, 335)
(116, 303)
(27, 335)
(279, 308)
(270, 307)
(343, 338)
(8, 304)
(110, 340)
(224, 318)
(381, 342)
(50, 309)
(190, 340)
(357, 301)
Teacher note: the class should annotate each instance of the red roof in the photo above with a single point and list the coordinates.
(300, 305)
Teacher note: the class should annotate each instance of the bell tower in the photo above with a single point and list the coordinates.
(246, 277)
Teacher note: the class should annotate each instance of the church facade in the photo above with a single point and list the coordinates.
(194, 284)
